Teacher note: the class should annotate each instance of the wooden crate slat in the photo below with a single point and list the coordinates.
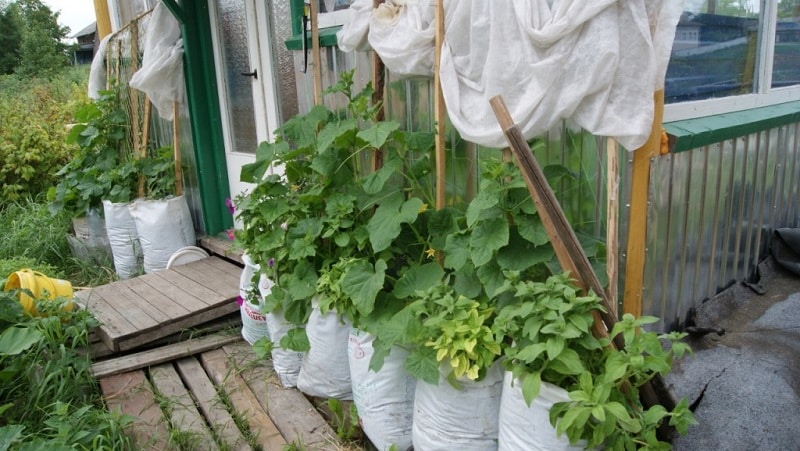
(112, 325)
(289, 409)
(204, 275)
(234, 271)
(224, 375)
(138, 311)
(160, 355)
(192, 288)
(184, 415)
(210, 404)
(141, 338)
(154, 296)
(132, 394)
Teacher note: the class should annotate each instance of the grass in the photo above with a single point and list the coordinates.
(50, 400)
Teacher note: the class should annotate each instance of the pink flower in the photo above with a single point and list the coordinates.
(231, 235)
(239, 301)
(229, 204)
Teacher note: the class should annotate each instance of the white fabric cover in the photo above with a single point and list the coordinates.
(529, 428)
(161, 74)
(594, 62)
(325, 372)
(97, 71)
(384, 400)
(164, 227)
(447, 419)
(123, 238)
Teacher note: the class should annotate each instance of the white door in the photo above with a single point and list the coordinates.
(248, 100)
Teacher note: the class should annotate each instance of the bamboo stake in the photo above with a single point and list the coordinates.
(637, 223)
(315, 52)
(145, 140)
(439, 108)
(177, 149)
(612, 225)
(379, 83)
(563, 239)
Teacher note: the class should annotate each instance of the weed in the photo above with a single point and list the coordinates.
(345, 423)
(296, 445)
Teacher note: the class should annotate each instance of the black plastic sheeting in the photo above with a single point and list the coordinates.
(785, 249)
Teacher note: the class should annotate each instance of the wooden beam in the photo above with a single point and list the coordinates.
(439, 110)
(315, 53)
(103, 19)
(612, 223)
(637, 214)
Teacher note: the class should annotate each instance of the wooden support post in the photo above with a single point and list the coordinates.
(612, 223)
(439, 109)
(637, 213)
(103, 18)
(315, 52)
(177, 149)
(379, 83)
(148, 106)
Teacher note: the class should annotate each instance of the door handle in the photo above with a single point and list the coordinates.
(253, 74)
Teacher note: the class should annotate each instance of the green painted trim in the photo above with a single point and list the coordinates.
(694, 133)
(327, 36)
(205, 116)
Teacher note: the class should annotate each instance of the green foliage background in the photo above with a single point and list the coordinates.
(33, 118)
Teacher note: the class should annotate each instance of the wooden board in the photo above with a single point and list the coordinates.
(222, 373)
(132, 394)
(212, 407)
(295, 417)
(141, 310)
(221, 247)
(183, 414)
(161, 355)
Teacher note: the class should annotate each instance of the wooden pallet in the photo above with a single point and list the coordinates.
(141, 310)
(173, 389)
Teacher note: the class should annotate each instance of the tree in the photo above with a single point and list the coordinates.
(29, 30)
(10, 37)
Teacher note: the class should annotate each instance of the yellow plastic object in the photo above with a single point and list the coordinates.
(40, 286)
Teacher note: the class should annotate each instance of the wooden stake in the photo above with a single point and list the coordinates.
(439, 110)
(145, 140)
(379, 83)
(637, 215)
(568, 249)
(177, 149)
(315, 52)
(612, 223)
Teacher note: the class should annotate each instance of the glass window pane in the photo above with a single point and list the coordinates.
(715, 50)
(786, 64)
(233, 39)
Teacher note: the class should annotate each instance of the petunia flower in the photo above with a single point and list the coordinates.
(231, 235)
(229, 204)
(239, 301)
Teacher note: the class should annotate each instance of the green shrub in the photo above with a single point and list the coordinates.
(33, 129)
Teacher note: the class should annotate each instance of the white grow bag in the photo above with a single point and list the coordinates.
(164, 227)
(254, 323)
(123, 238)
(325, 372)
(466, 420)
(384, 400)
(285, 362)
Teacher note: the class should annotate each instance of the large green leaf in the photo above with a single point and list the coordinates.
(384, 226)
(377, 135)
(487, 237)
(17, 339)
(492, 278)
(374, 183)
(483, 201)
(456, 251)
(418, 278)
(401, 329)
(362, 283)
(332, 131)
(10, 434)
(521, 254)
(296, 340)
(422, 364)
(531, 384)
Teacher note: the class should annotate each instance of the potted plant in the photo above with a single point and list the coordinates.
(564, 387)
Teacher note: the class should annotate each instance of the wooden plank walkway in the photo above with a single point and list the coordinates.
(220, 398)
(141, 310)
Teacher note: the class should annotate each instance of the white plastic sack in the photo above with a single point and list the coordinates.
(325, 372)
(161, 73)
(448, 419)
(384, 400)
(123, 238)
(593, 62)
(254, 323)
(164, 226)
(529, 428)
(285, 361)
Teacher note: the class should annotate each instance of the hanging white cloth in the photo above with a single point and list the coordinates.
(161, 75)
(593, 62)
